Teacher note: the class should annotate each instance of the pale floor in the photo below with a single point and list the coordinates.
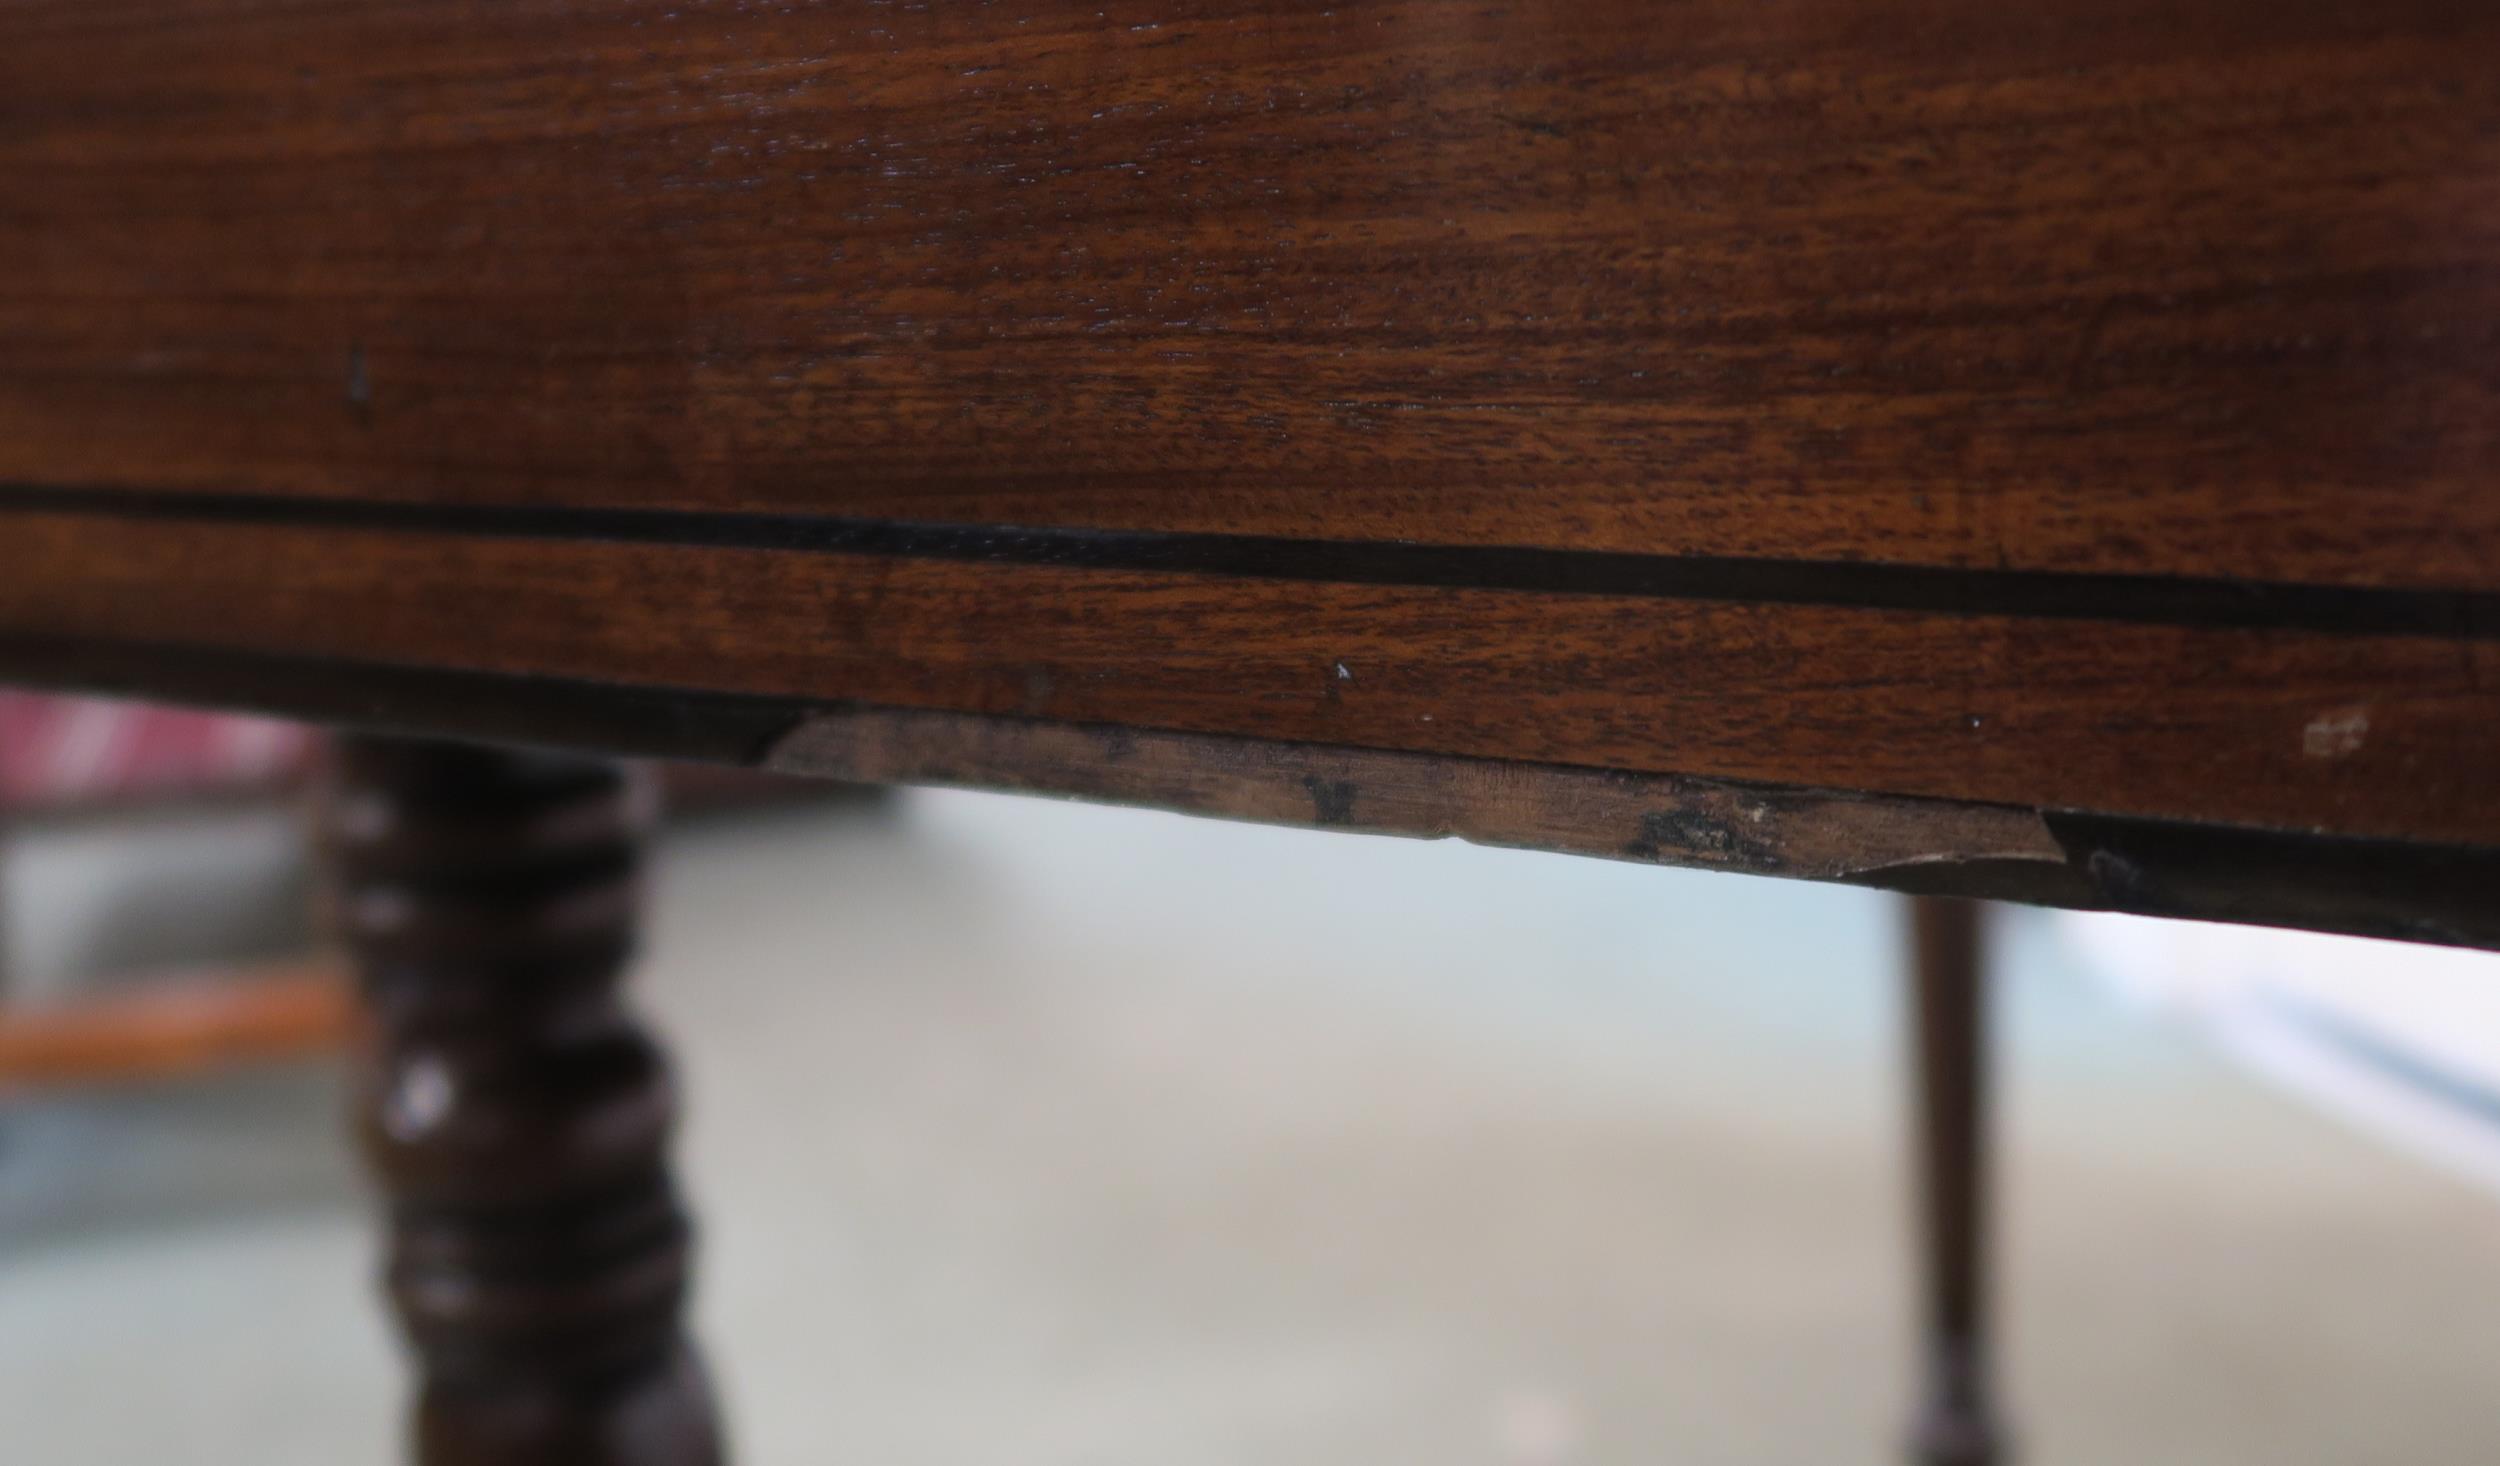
(1030, 1134)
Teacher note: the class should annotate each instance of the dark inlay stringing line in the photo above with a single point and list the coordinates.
(2189, 601)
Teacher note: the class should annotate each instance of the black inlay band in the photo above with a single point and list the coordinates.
(2195, 601)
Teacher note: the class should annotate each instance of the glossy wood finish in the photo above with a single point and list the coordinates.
(1957, 1423)
(2085, 409)
(2389, 735)
(517, 1116)
(2127, 285)
(2040, 450)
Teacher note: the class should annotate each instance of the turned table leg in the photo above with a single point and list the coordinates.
(516, 1115)
(1957, 1423)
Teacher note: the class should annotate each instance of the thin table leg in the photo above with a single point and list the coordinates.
(1957, 1423)
(517, 1116)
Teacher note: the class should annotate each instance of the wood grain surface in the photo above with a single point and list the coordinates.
(2359, 734)
(2078, 406)
(2189, 286)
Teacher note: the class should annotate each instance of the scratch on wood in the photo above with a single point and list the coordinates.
(2335, 733)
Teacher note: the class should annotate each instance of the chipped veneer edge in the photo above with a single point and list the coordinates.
(1659, 818)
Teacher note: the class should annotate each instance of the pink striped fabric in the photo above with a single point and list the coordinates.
(66, 750)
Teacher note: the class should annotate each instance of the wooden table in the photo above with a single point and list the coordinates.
(2043, 452)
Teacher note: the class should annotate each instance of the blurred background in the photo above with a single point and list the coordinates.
(1027, 1132)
